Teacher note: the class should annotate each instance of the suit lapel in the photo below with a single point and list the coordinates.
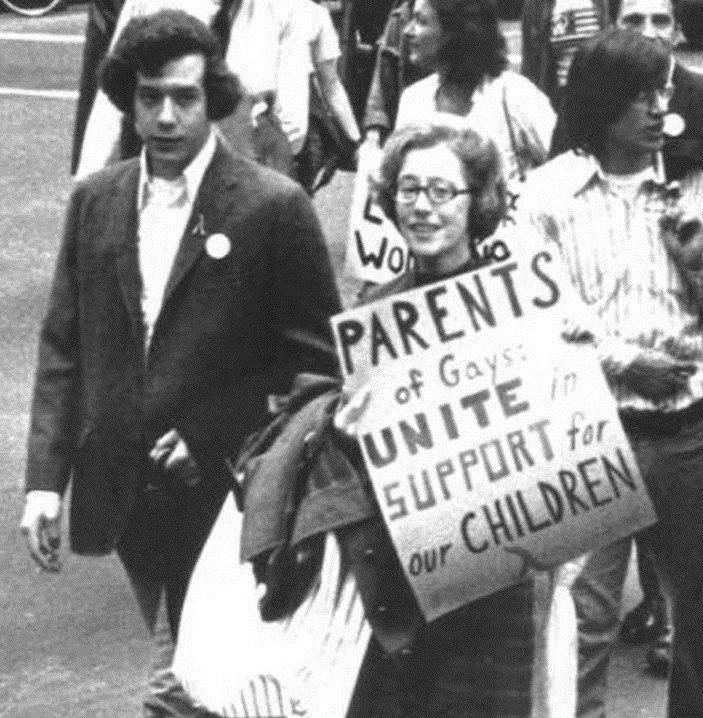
(123, 227)
(208, 215)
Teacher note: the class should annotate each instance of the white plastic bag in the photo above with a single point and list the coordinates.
(235, 664)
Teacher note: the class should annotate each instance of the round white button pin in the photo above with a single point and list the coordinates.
(218, 246)
(674, 124)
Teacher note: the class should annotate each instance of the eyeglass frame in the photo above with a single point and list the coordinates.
(648, 96)
(426, 188)
(633, 20)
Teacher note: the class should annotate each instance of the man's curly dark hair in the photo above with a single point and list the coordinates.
(147, 43)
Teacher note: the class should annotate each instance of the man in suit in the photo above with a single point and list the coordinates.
(190, 284)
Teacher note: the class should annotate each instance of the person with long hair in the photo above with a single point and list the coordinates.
(460, 43)
(602, 202)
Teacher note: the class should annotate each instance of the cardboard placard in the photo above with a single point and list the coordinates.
(491, 443)
(376, 252)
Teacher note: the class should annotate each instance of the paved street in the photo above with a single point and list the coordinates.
(72, 644)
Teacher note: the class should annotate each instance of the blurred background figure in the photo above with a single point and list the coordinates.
(683, 148)
(392, 73)
(102, 19)
(460, 42)
(311, 102)
(552, 31)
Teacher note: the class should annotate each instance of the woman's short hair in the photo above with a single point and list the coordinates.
(147, 43)
(480, 161)
(472, 45)
(607, 74)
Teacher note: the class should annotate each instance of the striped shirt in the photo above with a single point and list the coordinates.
(572, 24)
(617, 261)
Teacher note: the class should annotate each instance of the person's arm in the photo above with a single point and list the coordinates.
(53, 426)
(384, 91)
(337, 98)
(307, 291)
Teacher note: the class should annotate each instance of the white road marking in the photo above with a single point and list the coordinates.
(43, 37)
(52, 94)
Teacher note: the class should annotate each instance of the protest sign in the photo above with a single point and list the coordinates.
(376, 252)
(491, 443)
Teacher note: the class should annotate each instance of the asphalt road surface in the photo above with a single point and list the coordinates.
(72, 644)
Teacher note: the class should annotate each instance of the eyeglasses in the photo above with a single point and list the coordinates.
(638, 20)
(439, 191)
(655, 95)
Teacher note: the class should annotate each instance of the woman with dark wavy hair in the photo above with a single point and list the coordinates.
(460, 42)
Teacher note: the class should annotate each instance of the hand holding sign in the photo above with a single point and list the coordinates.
(351, 411)
(491, 444)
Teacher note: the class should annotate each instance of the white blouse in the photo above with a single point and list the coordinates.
(509, 109)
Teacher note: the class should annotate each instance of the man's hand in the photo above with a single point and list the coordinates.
(41, 528)
(683, 237)
(171, 454)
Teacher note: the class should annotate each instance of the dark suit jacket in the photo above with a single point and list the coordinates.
(685, 152)
(230, 331)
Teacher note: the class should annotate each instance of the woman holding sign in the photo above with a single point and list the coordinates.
(444, 189)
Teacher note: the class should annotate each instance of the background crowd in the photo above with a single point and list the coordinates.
(152, 370)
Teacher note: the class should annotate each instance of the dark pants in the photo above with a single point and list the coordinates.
(159, 550)
(475, 662)
(672, 465)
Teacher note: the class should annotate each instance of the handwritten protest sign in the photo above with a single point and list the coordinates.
(492, 444)
(376, 252)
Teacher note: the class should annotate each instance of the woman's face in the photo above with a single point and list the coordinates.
(423, 35)
(436, 231)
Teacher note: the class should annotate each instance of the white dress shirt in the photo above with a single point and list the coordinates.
(163, 208)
